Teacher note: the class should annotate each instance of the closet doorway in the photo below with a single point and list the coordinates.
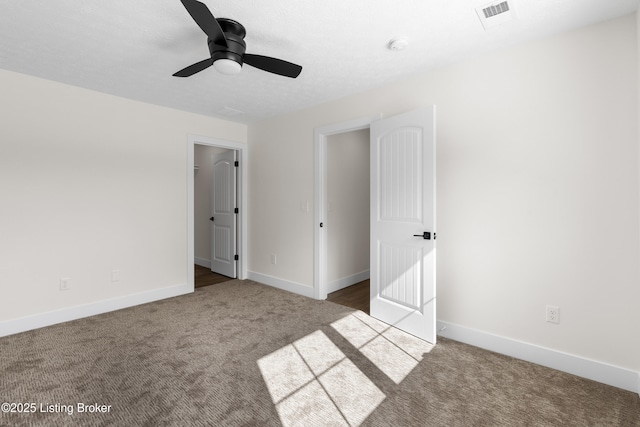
(199, 211)
(215, 225)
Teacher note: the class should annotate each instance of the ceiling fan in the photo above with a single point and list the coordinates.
(225, 38)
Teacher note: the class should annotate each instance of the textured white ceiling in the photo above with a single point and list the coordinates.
(131, 48)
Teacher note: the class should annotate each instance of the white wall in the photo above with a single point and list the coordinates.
(537, 183)
(203, 157)
(90, 183)
(348, 201)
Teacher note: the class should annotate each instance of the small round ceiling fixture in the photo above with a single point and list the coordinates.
(227, 66)
(398, 44)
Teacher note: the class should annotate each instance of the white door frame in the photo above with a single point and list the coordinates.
(243, 156)
(320, 195)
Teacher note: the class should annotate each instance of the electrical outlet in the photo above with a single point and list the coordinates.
(65, 284)
(115, 276)
(553, 314)
(273, 259)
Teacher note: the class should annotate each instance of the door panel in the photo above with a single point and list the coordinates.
(223, 203)
(401, 174)
(399, 274)
(402, 209)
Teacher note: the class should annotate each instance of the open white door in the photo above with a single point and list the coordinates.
(403, 221)
(223, 215)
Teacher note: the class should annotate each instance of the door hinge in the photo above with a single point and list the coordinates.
(236, 163)
(235, 210)
(236, 257)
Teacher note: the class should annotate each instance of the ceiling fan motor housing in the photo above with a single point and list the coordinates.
(234, 32)
(227, 49)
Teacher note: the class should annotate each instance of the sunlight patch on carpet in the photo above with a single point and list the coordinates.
(312, 382)
(393, 351)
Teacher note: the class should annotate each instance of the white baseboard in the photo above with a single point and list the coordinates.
(283, 284)
(27, 323)
(347, 281)
(597, 371)
(202, 262)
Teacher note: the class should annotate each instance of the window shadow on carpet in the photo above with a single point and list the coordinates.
(313, 382)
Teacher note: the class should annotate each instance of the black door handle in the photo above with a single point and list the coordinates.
(426, 235)
(211, 219)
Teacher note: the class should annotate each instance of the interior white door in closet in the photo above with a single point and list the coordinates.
(223, 216)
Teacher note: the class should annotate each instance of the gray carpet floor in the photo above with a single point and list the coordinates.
(243, 354)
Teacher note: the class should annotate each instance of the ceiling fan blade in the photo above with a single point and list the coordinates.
(194, 68)
(205, 20)
(273, 65)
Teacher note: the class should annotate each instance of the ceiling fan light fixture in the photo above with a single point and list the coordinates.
(225, 39)
(227, 66)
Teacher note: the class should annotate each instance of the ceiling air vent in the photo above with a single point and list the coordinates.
(496, 13)
(493, 10)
